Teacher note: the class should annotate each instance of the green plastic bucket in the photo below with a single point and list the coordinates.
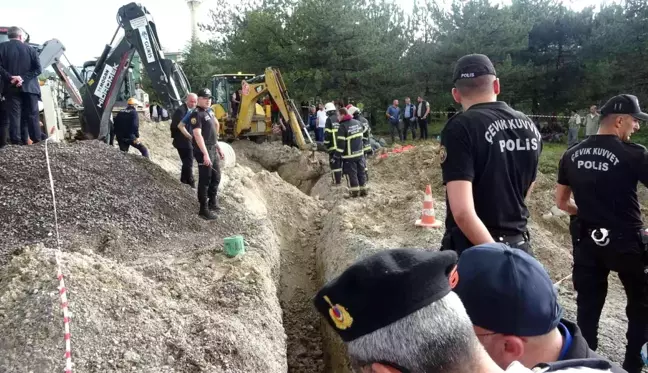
(234, 246)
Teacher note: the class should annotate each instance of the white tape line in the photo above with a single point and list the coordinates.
(59, 272)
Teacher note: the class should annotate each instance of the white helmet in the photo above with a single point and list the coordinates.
(352, 110)
(329, 106)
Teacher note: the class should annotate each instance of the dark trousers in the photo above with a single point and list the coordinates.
(454, 239)
(287, 136)
(186, 173)
(354, 169)
(4, 125)
(124, 145)
(423, 126)
(409, 123)
(336, 168)
(21, 110)
(592, 264)
(395, 128)
(208, 176)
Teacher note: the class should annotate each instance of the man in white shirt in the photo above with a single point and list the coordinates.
(321, 123)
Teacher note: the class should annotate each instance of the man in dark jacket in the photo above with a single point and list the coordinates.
(514, 308)
(182, 139)
(127, 129)
(330, 142)
(19, 70)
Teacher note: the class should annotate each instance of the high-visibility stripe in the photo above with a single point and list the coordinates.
(336, 170)
(352, 156)
(354, 189)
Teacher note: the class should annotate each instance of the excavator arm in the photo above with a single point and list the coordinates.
(50, 53)
(101, 90)
(271, 82)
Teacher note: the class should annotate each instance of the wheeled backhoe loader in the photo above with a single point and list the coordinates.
(252, 120)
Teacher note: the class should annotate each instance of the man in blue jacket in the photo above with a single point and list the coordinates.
(127, 129)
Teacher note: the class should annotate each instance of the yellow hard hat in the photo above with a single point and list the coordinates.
(132, 101)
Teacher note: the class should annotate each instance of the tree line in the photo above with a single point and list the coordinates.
(549, 58)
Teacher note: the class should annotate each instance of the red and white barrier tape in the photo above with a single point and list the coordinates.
(528, 115)
(59, 272)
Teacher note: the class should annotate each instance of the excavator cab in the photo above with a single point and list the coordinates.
(252, 120)
(223, 87)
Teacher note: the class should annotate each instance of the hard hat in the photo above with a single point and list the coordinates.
(352, 110)
(329, 106)
(132, 101)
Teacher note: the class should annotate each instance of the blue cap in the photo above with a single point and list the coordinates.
(507, 291)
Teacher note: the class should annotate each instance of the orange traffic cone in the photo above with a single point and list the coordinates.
(427, 219)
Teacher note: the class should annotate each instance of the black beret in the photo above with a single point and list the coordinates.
(385, 287)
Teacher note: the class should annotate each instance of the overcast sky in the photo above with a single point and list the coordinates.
(84, 27)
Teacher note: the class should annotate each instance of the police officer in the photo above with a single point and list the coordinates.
(182, 139)
(127, 129)
(20, 68)
(205, 147)
(489, 158)
(366, 132)
(330, 142)
(350, 150)
(602, 172)
(514, 308)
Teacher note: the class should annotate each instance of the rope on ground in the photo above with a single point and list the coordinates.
(59, 272)
(562, 279)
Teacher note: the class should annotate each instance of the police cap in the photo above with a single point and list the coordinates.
(472, 66)
(624, 104)
(385, 287)
(205, 93)
(507, 291)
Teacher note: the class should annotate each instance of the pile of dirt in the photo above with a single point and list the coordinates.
(290, 163)
(103, 196)
(159, 295)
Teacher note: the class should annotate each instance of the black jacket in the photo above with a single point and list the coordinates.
(19, 59)
(349, 138)
(127, 124)
(179, 140)
(579, 348)
(330, 133)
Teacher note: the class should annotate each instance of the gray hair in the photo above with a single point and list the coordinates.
(438, 338)
(14, 32)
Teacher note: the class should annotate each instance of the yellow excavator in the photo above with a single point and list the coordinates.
(251, 118)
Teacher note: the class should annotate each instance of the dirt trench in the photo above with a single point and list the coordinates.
(278, 179)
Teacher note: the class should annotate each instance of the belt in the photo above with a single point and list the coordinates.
(516, 239)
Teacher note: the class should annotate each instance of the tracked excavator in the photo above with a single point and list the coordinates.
(252, 120)
(101, 90)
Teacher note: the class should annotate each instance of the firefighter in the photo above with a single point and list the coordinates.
(366, 133)
(330, 142)
(349, 150)
(127, 129)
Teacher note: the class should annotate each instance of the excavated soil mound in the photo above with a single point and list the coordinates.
(158, 295)
(103, 196)
(289, 162)
(385, 219)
